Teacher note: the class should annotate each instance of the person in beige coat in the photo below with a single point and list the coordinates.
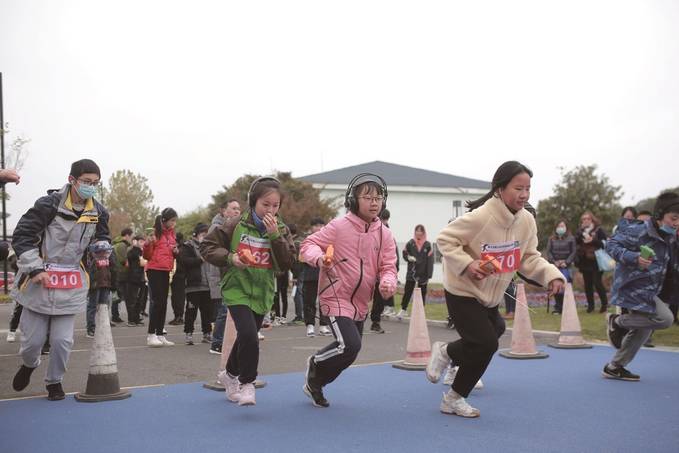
(498, 228)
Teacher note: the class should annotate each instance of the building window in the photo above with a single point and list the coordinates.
(457, 209)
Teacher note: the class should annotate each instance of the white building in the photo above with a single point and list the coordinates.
(416, 196)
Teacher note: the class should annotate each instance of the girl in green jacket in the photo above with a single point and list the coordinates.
(251, 248)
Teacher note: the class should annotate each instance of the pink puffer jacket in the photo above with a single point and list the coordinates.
(364, 253)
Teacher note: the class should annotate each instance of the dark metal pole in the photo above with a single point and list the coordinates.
(2, 164)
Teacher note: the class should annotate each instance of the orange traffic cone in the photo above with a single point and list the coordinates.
(571, 333)
(523, 343)
(227, 344)
(418, 349)
(102, 380)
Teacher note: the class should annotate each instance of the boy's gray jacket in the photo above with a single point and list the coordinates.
(51, 233)
(214, 273)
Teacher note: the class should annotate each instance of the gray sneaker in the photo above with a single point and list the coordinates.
(188, 339)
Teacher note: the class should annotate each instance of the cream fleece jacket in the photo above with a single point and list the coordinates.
(461, 242)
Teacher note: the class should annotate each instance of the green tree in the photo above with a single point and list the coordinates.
(301, 204)
(187, 222)
(580, 189)
(647, 204)
(129, 200)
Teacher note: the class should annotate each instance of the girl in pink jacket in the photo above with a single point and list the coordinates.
(364, 253)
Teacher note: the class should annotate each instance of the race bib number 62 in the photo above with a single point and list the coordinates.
(260, 249)
(507, 254)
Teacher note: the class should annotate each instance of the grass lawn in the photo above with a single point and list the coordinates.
(593, 324)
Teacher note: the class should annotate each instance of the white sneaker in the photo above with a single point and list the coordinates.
(310, 331)
(276, 322)
(231, 386)
(388, 311)
(325, 331)
(450, 378)
(453, 403)
(402, 314)
(11, 337)
(260, 336)
(153, 341)
(165, 341)
(282, 321)
(247, 395)
(438, 361)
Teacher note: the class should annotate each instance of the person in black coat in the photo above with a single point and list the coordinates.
(589, 238)
(418, 253)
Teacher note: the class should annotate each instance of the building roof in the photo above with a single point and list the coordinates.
(397, 175)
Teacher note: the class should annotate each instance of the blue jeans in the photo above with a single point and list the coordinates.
(220, 322)
(94, 297)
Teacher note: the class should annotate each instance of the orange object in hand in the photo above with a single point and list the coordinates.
(329, 253)
(490, 264)
(246, 257)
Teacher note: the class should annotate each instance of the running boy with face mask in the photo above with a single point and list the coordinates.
(50, 241)
(646, 280)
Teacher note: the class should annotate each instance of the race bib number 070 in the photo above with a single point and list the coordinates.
(260, 249)
(507, 254)
(63, 277)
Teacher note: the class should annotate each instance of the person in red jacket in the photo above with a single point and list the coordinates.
(160, 251)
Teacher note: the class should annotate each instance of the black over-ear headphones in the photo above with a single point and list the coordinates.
(251, 201)
(350, 201)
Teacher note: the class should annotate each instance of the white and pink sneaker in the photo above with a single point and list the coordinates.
(247, 395)
(231, 386)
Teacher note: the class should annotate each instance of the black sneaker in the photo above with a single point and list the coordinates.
(22, 378)
(117, 320)
(375, 327)
(45, 349)
(450, 324)
(55, 392)
(614, 332)
(311, 389)
(649, 344)
(619, 373)
(216, 349)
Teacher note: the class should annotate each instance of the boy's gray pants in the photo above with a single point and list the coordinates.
(34, 328)
(640, 326)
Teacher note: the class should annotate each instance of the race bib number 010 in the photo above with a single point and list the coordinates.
(260, 249)
(507, 254)
(63, 277)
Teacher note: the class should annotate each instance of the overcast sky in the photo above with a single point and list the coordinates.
(195, 94)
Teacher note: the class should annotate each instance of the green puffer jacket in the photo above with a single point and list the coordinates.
(254, 285)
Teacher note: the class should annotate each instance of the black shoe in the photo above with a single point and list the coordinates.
(375, 327)
(45, 349)
(619, 373)
(603, 309)
(117, 320)
(139, 323)
(614, 332)
(22, 378)
(590, 309)
(55, 392)
(174, 322)
(649, 344)
(311, 388)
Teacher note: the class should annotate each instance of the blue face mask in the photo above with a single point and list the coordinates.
(86, 191)
(668, 229)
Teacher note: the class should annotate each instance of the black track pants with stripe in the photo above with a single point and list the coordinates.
(341, 353)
